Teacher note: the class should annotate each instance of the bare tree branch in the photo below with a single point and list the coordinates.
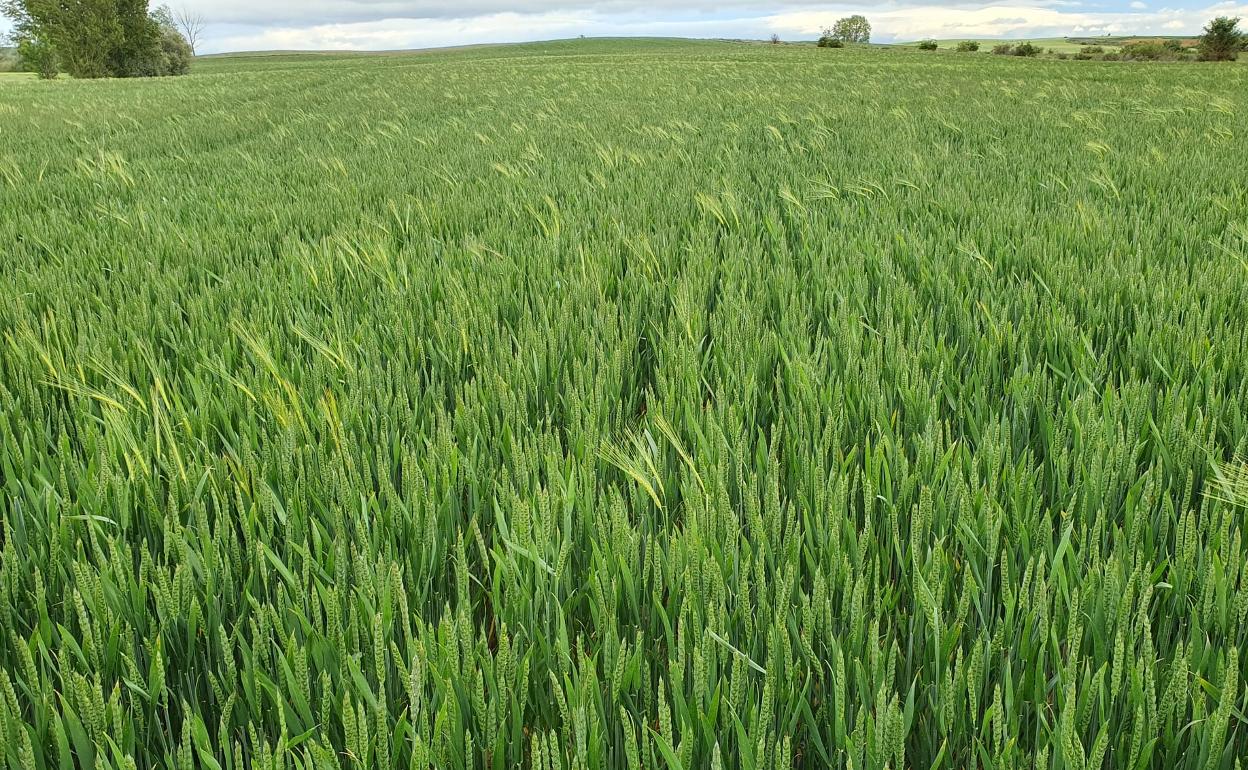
(191, 24)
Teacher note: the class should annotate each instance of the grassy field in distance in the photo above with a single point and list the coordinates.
(1069, 45)
(625, 403)
(1059, 44)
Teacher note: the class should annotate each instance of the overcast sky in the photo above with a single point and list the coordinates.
(248, 25)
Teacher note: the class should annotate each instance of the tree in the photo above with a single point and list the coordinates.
(775, 39)
(31, 53)
(852, 29)
(94, 38)
(191, 24)
(137, 53)
(37, 55)
(83, 34)
(1221, 40)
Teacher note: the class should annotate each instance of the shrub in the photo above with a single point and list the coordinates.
(1221, 40)
(828, 41)
(968, 46)
(927, 45)
(1063, 55)
(1173, 45)
(1026, 49)
(1093, 49)
(775, 39)
(1111, 57)
(1083, 57)
(175, 53)
(1145, 51)
(1003, 49)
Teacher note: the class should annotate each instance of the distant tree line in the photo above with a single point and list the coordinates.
(97, 38)
(1221, 40)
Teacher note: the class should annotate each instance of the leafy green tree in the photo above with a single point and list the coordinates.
(852, 29)
(37, 55)
(31, 52)
(96, 38)
(1221, 40)
(83, 33)
(137, 53)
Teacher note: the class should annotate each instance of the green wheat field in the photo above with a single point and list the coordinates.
(625, 404)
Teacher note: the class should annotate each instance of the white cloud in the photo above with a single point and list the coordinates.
(304, 12)
(1137, 5)
(912, 22)
(391, 34)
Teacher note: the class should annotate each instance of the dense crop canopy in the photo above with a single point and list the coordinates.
(625, 404)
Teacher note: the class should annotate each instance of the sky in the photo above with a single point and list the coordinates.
(262, 25)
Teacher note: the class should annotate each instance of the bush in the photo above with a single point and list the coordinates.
(968, 46)
(1026, 49)
(1221, 40)
(1062, 55)
(927, 45)
(1111, 57)
(1083, 57)
(1003, 49)
(175, 53)
(775, 40)
(1173, 45)
(827, 41)
(1145, 51)
(1093, 49)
